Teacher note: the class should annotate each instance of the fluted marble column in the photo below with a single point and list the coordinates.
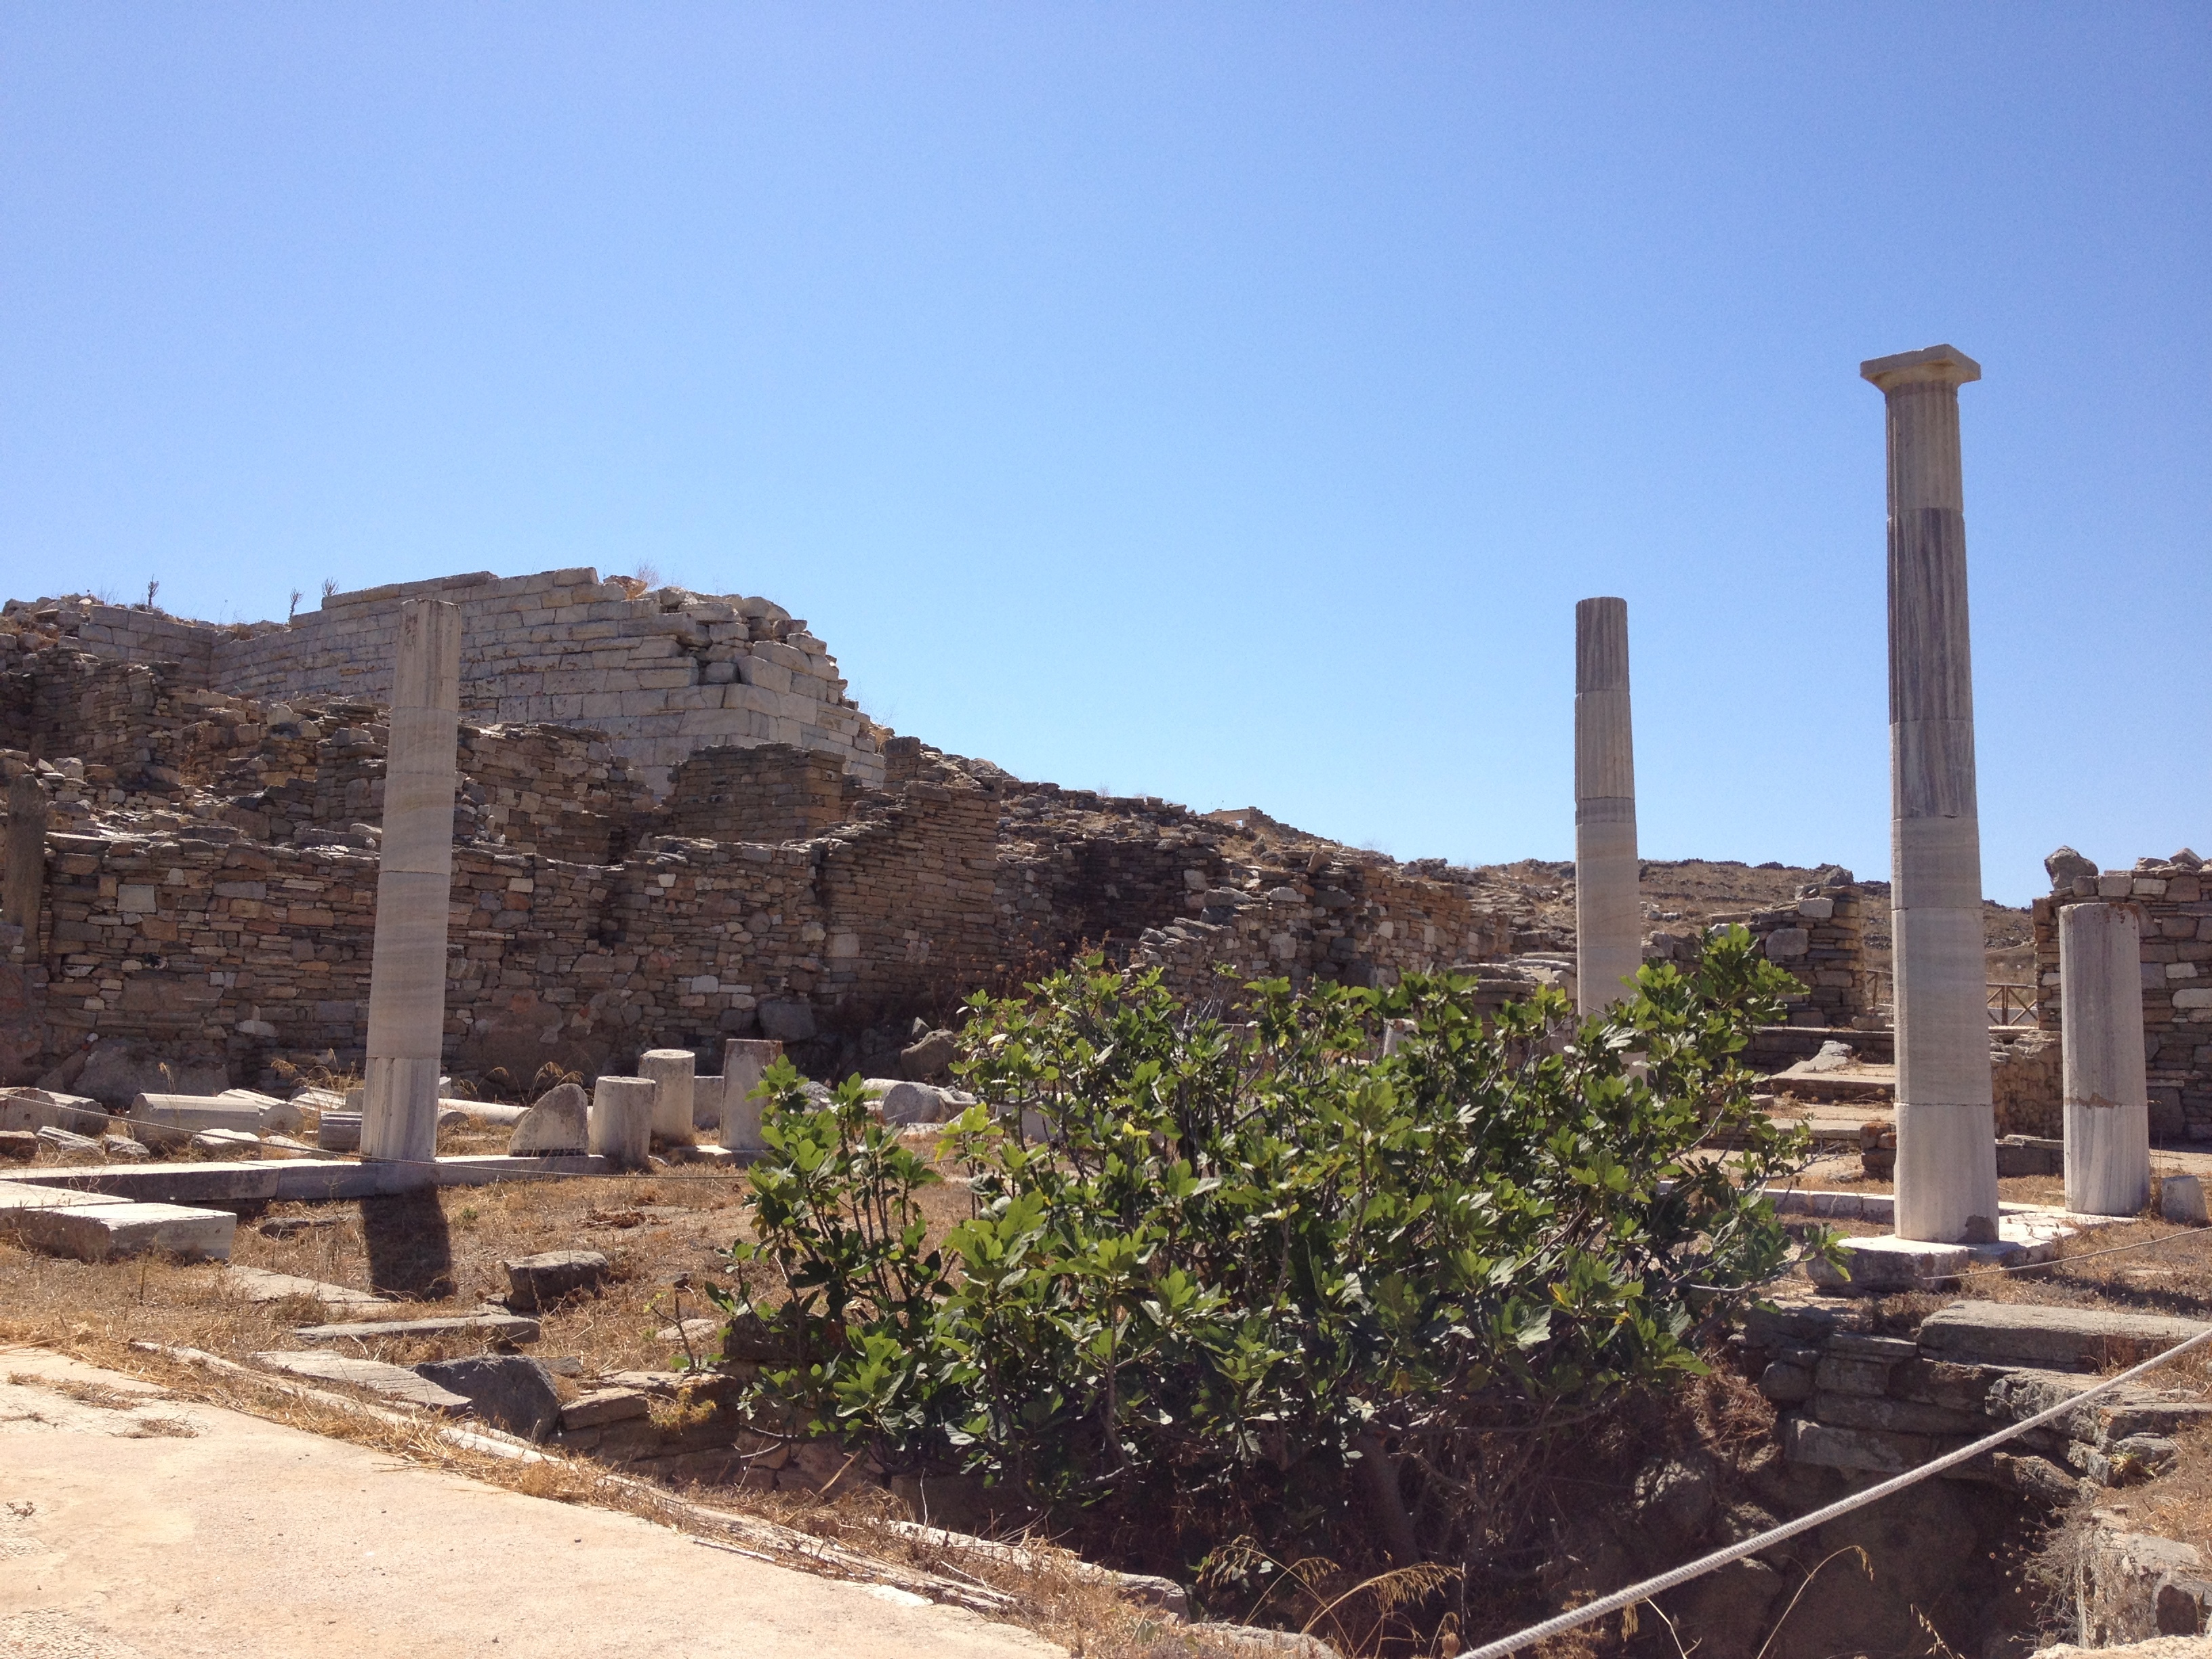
(1946, 1170)
(1608, 917)
(407, 975)
(2107, 1091)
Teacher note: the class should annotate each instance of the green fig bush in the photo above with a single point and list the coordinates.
(1349, 1252)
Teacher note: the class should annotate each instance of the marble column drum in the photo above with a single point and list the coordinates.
(2106, 1092)
(1946, 1171)
(672, 1072)
(407, 972)
(1608, 914)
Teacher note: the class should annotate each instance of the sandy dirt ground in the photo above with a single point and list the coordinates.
(136, 1527)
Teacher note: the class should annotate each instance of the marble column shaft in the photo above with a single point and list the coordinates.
(407, 973)
(1946, 1175)
(2105, 1092)
(1608, 913)
(24, 892)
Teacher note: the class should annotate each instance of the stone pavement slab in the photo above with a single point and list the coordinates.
(243, 1539)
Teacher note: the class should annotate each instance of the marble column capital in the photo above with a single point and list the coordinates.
(1937, 365)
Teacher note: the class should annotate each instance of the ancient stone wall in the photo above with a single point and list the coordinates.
(238, 954)
(771, 791)
(1349, 921)
(2174, 897)
(1819, 940)
(663, 673)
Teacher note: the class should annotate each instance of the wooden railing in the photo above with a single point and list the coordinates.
(2013, 1005)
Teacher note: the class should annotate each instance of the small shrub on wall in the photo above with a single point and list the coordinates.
(1266, 1273)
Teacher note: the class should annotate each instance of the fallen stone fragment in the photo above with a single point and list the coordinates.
(288, 1226)
(260, 1285)
(21, 1144)
(75, 1145)
(605, 1406)
(507, 1391)
(393, 1382)
(697, 1333)
(908, 1102)
(559, 1123)
(228, 1143)
(507, 1326)
(2181, 1197)
(122, 1147)
(287, 1146)
(536, 1282)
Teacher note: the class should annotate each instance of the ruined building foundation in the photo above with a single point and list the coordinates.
(1946, 1175)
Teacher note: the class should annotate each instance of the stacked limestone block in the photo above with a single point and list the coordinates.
(663, 673)
(1349, 921)
(2175, 897)
(769, 792)
(1820, 941)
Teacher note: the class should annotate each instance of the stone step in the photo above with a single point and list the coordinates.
(2055, 1339)
(512, 1327)
(392, 1381)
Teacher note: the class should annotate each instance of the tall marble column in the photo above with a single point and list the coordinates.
(2107, 1094)
(1946, 1170)
(407, 973)
(1608, 915)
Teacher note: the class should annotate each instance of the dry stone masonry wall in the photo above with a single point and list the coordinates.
(662, 673)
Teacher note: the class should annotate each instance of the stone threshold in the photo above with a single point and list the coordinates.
(303, 1180)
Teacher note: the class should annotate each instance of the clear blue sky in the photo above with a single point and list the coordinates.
(1222, 402)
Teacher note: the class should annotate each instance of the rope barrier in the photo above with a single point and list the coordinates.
(1577, 1617)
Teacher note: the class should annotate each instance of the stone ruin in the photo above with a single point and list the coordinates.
(672, 828)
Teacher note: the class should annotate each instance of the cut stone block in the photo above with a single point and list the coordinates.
(605, 1406)
(61, 1140)
(260, 1285)
(2058, 1339)
(1886, 1264)
(122, 1147)
(507, 1390)
(338, 1132)
(228, 1143)
(510, 1327)
(536, 1282)
(100, 1232)
(393, 1382)
(19, 1145)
